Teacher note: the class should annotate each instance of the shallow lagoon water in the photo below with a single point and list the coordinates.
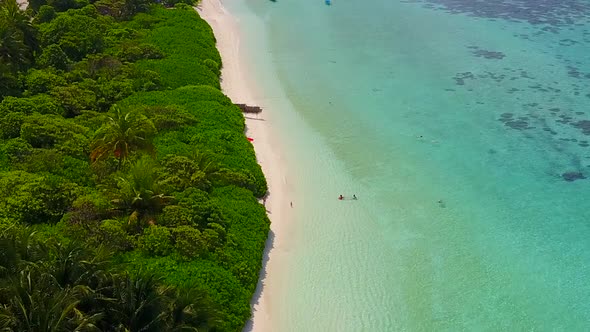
(464, 129)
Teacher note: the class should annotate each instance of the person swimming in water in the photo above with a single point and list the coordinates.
(340, 197)
(354, 197)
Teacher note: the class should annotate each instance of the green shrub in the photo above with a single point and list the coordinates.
(53, 56)
(174, 215)
(213, 66)
(75, 98)
(219, 129)
(17, 105)
(169, 117)
(49, 131)
(32, 198)
(16, 150)
(45, 14)
(76, 32)
(189, 242)
(181, 172)
(204, 211)
(181, 66)
(113, 233)
(42, 81)
(135, 52)
(40, 160)
(10, 125)
(156, 241)
(144, 21)
(40, 103)
(45, 104)
(89, 207)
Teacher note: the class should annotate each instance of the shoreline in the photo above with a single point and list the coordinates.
(235, 85)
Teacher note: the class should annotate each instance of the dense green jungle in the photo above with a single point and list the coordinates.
(129, 195)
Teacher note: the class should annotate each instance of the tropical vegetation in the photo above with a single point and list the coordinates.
(128, 192)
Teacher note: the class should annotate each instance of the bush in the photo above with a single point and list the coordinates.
(16, 105)
(76, 32)
(90, 207)
(48, 131)
(213, 66)
(214, 236)
(45, 14)
(74, 98)
(189, 242)
(42, 81)
(113, 233)
(53, 56)
(32, 198)
(147, 80)
(183, 62)
(156, 241)
(42, 103)
(181, 173)
(144, 21)
(169, 117)
(45, 104)
(219, 129)
(174, 215)
(204, 211)
(244, 179)
(10, 125)
(136, 52)
(16, 150)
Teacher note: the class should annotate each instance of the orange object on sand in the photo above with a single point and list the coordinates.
(250, 139)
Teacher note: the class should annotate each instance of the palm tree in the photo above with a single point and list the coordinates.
(18, 38)
(121, 135)
(20, 19)
(141, 193)
(195, 170)
(13, 51)
(52, 286)
(139, 304)
(19, 246)
(33, 302)
(191, 310)
(32, 296)
(74, 287)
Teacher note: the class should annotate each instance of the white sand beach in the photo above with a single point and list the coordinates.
(235, 85)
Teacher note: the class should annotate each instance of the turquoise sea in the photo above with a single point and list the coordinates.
(463, 127)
